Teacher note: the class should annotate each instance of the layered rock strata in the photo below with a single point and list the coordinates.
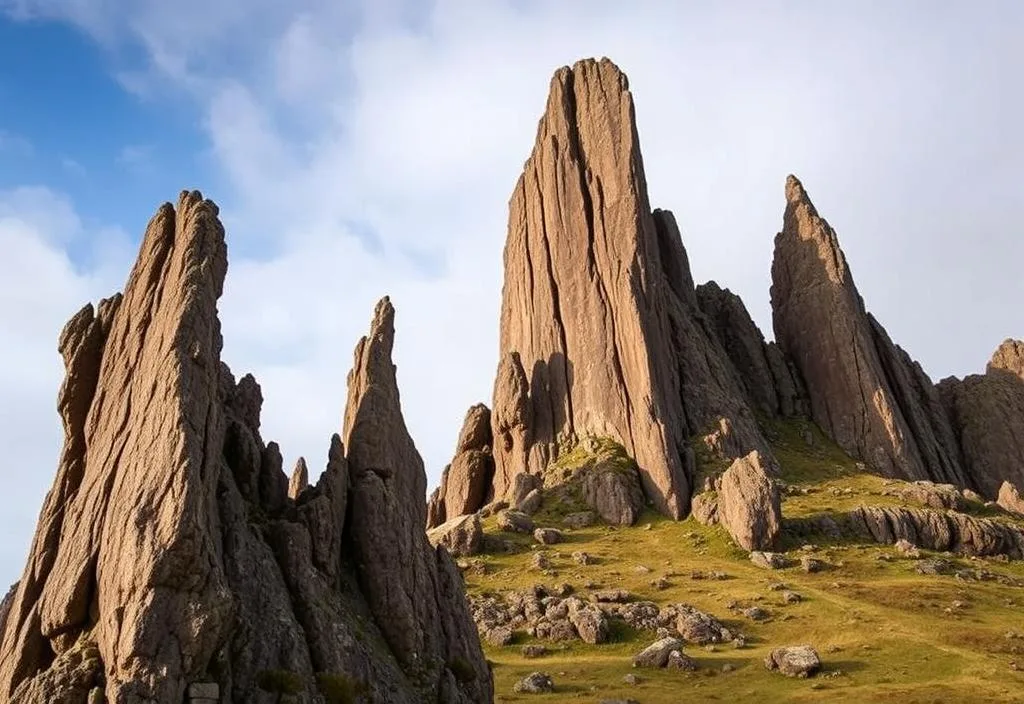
(169, 556)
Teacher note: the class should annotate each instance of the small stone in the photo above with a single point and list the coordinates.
(811, 564)
(907, 549)
(540, 561)
(756, 613)
(791, 597)
(514, 521)
(768, 560)
(499, 636)
(534, 651)
(728, 667)
(535, 683)
(582, 558)
(632, 679)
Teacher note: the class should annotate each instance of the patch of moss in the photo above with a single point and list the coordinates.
(338, 688)
(279, 682)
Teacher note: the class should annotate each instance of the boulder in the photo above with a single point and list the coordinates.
(535, 683)
(794, 660)
(466, 481)
(547, 536)
(769, 560)
(657, 653)
(462, 536)
(514, 521)
(748, 504)
(677, 660)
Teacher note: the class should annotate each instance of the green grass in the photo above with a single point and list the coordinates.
(889, 633)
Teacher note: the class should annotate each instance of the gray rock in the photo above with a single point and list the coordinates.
(794, 660)
(534, 651)
(547, 536)
(769, 560)
(531, 502)
(656, 654)
(677, 660)
(514, 521)
(535, 683)
(499, 636)
(812, 564)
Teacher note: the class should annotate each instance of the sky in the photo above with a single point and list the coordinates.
(369, 147)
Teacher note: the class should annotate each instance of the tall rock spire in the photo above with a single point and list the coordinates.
(865, 392)
(580, 301)
(169, 557)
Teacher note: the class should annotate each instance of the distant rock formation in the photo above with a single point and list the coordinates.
(466, 482)
(865, 392)
(169, 558)
(987, 412)
(600, 330)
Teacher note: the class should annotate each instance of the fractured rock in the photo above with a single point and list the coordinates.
(462, 536)
(748, 504)
(1009, 499)
(794, 660)
(866, 393)
(167, 548)
(657, 653)
(466, 482)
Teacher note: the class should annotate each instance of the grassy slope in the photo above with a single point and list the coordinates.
(891, 633)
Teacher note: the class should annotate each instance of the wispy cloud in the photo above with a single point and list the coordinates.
(411, 121)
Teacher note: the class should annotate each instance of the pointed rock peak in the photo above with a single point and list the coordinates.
(1009, 356)
(299, 480)
(795, 192)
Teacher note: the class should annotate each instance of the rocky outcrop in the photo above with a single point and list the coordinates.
(462, 535)
(987, 414)
(1009, 499)
(600, 330)
(299, 479)
(748, 504)
(1009, 357)
(771, 385)
(926, 528)
(597, 474)
(168, 553)
(465, 483)
(864, 391)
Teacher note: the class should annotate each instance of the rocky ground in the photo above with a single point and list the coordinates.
(882, 621)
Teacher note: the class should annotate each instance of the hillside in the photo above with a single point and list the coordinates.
(884, 630)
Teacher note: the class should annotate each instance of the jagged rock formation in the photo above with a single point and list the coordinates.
(749, 504)
(772, 386)
(987, 413)
(864, 391)
(466, 482)
(299, 480)
(1009, 499)
(600, 329)
(168, 553)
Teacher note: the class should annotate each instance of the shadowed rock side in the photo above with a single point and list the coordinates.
(987, 412)
(597, 329)
(168, 552)
(865, 392)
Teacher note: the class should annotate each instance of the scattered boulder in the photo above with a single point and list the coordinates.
(531, 502)
(677, 660)
(514, 521)
(748, 503)
(548, 536)
(534, 650)
(535, 683)
(612, 596)
(794, 660)
(657, 653)
(590, 622)
(695, 626)
(935, 566)
(582, 558)
(769, 560)
(499, 636)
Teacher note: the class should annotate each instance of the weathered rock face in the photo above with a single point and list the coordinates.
(1009, 499)
(1009, 356)
(462, 535)
(987, 414)
(865, 392)
(600, 330)
(465, 483)
(770, 384)
(168, 552)
(749, 505)
(299, 480)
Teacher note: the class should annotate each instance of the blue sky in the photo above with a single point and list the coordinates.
(369, 147)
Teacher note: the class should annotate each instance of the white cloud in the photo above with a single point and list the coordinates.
(40, 289)
(377, 156)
